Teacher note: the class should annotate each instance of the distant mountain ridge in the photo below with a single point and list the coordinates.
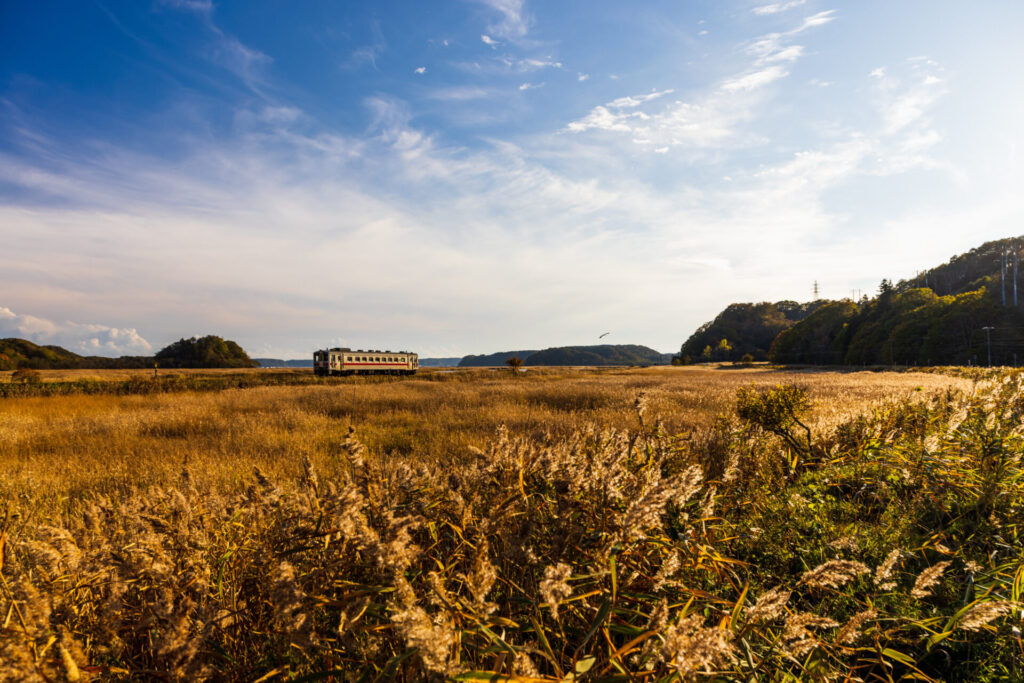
(440, 362)
(281, 363)
(602, 354)
(493, 359)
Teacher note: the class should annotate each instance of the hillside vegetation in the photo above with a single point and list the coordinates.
(746, 329)
(939, 317)
(21, 353)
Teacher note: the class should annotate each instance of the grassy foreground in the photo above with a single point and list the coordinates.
(621, 525)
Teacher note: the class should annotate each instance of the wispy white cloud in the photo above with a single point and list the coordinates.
(601, 118)
(754, 79)
(512, 23)
(776, 7)
(633, 101)
(582, 77)
(247, 63)
(819, 19)
(81, 338)
(279, 114)
(200, 6)
(786, 54)
(530, 64)
(420, 70)
(904, 100)
(365, 54)
(460, 94)
(487, 40)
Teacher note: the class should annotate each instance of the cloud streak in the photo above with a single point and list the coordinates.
(777, 7)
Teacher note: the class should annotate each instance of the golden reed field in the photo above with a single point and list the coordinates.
(69, 445)
(698, 523)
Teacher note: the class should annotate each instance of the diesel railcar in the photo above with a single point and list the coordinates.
(348, 362)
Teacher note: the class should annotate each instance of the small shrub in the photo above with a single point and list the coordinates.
(778, 410)
(514, 364)
(26, 376)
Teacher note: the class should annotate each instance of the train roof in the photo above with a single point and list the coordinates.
(348, 350)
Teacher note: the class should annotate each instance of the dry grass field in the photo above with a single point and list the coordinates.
(66, 445)
(659, 524)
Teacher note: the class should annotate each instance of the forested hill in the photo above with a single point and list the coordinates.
(603, 354)
(21, 353)
(488, 360)
(204, 352)
(954, 314)
(743, 330)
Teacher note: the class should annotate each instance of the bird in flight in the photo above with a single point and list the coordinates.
(604, 335)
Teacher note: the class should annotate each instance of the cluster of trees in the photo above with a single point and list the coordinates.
(205, 352)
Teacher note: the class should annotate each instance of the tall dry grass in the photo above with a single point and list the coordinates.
(626, 527)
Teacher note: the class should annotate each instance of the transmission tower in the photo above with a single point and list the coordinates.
(815, 290)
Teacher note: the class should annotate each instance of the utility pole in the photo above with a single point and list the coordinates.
(1002, 277)
(988, 340)
(1016, 258)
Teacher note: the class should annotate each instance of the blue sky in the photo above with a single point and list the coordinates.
(480, 175)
